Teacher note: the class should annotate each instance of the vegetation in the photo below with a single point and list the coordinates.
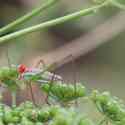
(60, 107)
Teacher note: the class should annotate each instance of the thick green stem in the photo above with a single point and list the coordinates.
(51, 23)
(117, 4)
(26, 17)
(13, 98)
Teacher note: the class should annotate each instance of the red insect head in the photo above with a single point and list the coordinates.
(22, 68)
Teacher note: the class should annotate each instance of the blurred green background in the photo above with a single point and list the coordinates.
(102, 68)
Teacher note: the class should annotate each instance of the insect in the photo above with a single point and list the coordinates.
(37, 74)
(23, 73)
(15, 75)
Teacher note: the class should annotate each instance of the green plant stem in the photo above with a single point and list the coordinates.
(102, 121)
(13, 98)
(117, 4)
(26, 17)
(51, 23)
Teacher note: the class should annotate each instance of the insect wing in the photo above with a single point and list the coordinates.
(49, 76)
(40, 76)
(30, 76)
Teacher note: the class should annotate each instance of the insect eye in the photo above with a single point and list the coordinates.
(22, 68)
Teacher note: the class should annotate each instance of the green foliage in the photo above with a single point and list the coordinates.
(111, 107)
(83, 12)
(27, 113)
(64, 92)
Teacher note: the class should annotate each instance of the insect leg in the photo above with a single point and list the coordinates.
(31, 92)
(102, 122)
(107, 122)
(74, 76)
(40, 62)
(51, 84)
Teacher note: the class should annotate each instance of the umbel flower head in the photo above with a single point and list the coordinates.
(112, 107)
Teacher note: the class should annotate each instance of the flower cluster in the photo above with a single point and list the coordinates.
(112, 107)
(27, 114)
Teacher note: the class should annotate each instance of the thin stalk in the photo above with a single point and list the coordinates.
(102, 121)
(32, 94)
(26, 17)
(51, 23)
(13, 98)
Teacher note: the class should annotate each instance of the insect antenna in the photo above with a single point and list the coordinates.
(54, 65)
(51, 84)
(39, 63)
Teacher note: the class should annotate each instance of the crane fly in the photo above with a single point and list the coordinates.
(23, 73)
(37, 74)
(20, 73)
(15, 76)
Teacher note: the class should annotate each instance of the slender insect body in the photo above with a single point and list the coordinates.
(24, 73)
(39, 75)
(16, 77)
